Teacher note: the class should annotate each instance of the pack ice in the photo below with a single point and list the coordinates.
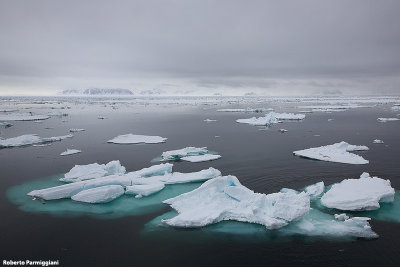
(137, 139)
(192, 154)
(106, 188)
(224, 198)
(339, 152)
(271, 118)
(22, 117)
(30, 139)
(364, 193)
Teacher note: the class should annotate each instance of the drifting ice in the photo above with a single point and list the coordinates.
(102, 194)
(192, 154)
(271, 118)
(136, 139)
(387, 119)
(338, 152)
(377, 141)
(22, 117)
(70, 152)
(224, 198)
(92, 171)
(30, 139)
(359, 194)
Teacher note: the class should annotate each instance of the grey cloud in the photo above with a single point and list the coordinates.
(206, 44)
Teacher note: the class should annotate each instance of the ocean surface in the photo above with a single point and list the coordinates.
(260, 157)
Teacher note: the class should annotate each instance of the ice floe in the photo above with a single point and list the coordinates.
(201, 158)
(377, 141)
(271, 118)
(192, 154)
(364, 193)
(339, 152)
(315, 190)
(123, 180)
(388, 119)
(137, 139)
(30, 139)
(249, 110)
(141, 190)
(5, 124)
(209, 120)
(224, 198)
(23, 117)
(92, 171)
(283, 130)
(70, 152)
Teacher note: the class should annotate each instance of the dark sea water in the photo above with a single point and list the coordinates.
(261, 158)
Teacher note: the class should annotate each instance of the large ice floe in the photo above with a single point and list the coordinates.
(224, 198)
(22, 117)
(147, 176)
(271, 118)
(30, 139)
(364, 193)
(339, 152)
(191, 154)
(137, 139)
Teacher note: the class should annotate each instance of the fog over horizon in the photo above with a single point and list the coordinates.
(201, 47)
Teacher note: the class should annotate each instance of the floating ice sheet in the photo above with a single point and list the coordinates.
(271, 118)
(22, 117)
(70, 152)
(359, 194)
(92, 171)
(137, 139)
(339, 152)
(30, 139)
(191, 154)
(388, 119)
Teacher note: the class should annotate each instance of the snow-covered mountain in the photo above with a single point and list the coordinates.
(97, 91)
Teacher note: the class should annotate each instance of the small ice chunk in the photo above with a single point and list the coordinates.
(341, 217)
(377, 141)
(76, 130)
(70, 152)
(5, 124)
(339, 152)
(30, 139)
(209, 120)
(359, 194)
(137, 139)
(283, 130)
(201, 158)
(102, 194)
(184, 152)
(144, 189)
(388, 119)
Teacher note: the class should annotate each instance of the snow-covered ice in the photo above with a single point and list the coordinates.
(22, 117)
(137, 139)
(30, 139)
(124, 180)
(70, 152)
(92, 171)
(364, 193)
(201, 158)
(224, 198)
(388, 119)
(192, 154)
(315, 190)
(271, 118)
(141, 190)
(102, 194)
(338, 152)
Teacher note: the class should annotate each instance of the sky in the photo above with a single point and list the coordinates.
(308, 47)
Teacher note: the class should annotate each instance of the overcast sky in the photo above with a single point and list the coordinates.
(201, 47)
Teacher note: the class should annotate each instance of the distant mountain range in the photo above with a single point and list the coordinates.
(112, 92)
(97, 91)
